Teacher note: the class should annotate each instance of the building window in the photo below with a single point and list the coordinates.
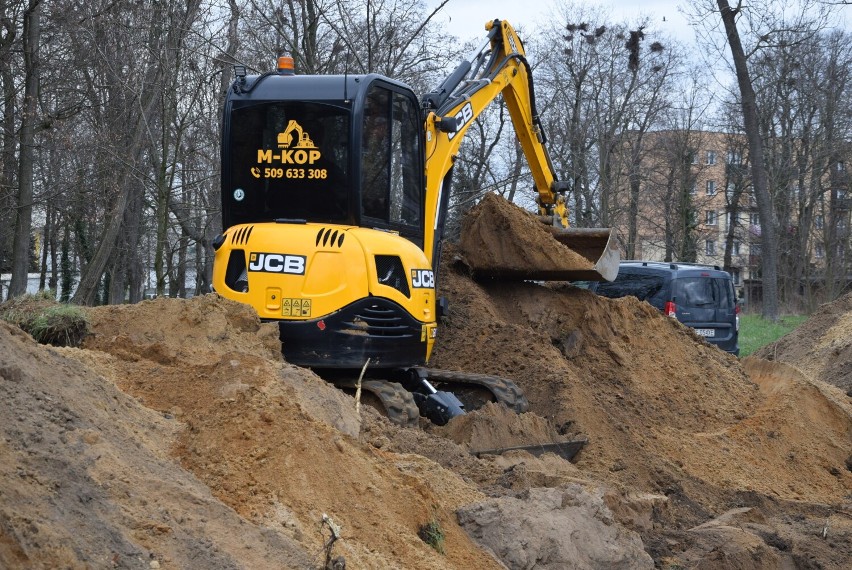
(735, 275)
(735, 248)
(841, 167)
(710, 218)
(819, 251)
(711, 188)
(818, 221)
(693, 189)
(729, 191)
(710, 247)
(735, 157)
(754, 219)
(711, 157)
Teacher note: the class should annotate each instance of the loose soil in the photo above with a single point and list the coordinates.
(822, 346)
(500, 239)
(177, 437)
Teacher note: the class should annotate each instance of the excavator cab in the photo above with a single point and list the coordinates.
(350, 155)
(323, 205)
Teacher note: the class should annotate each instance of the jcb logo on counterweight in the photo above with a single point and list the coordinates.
(422, 279)
(277, 263)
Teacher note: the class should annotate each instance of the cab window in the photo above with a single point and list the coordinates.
(390, 169)
(288, 160)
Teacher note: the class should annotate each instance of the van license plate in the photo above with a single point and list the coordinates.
(705, 332)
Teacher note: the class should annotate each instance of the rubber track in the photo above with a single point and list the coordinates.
(505, 391)
(398, 402)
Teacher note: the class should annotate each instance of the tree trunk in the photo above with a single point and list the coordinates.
(760, 186)
(91, 277)
(214, 201)
(24, 215)
(633, 200)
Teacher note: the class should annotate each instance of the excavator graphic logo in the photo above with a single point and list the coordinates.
(285, 139)
(295, 148)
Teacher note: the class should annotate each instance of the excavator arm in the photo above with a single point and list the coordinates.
(499, 67)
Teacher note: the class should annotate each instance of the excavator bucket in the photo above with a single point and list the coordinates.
(502, 240)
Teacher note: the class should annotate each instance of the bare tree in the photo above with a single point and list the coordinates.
(765, 24)
(603, 91)
(9, 41)
(132, 120)
(24, 208)
(669, 204)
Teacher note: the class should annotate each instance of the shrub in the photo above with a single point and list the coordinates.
(46, 320)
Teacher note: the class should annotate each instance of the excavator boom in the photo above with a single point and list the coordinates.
(500, 68)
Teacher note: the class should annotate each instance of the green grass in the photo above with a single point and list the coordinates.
(46, 320)
(432, 534)
(756, 332)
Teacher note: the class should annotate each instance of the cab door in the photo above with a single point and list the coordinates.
(391, 165)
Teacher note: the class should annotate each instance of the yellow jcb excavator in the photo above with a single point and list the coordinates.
(336, 235)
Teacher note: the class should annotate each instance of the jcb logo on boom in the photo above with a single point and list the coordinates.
(277, 263)
(422, 279)
(464, 115)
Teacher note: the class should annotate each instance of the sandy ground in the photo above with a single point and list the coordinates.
(822, 346)
(177, 437)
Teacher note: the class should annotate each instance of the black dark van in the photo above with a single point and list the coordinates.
(699, 296)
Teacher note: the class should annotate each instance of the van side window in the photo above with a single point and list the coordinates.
(639, 285)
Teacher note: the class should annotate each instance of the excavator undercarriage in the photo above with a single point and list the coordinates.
(403, 395)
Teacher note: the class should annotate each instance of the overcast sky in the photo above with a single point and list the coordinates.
(466, 18)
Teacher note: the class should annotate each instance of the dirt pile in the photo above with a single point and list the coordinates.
(501, 239)
(654, 399)
(87, 481)
(249, 439)
(666, 413)
(178, 437)
(822, 346)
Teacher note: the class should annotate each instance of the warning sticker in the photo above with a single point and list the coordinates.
(428, 332)
(296, 308)
(294, 158)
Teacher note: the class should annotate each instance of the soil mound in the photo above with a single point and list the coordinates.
(655, 400)
(86, 480)
(178, 437)
(212, 364)
(666, 413)
(822, 346)
(500, 239)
